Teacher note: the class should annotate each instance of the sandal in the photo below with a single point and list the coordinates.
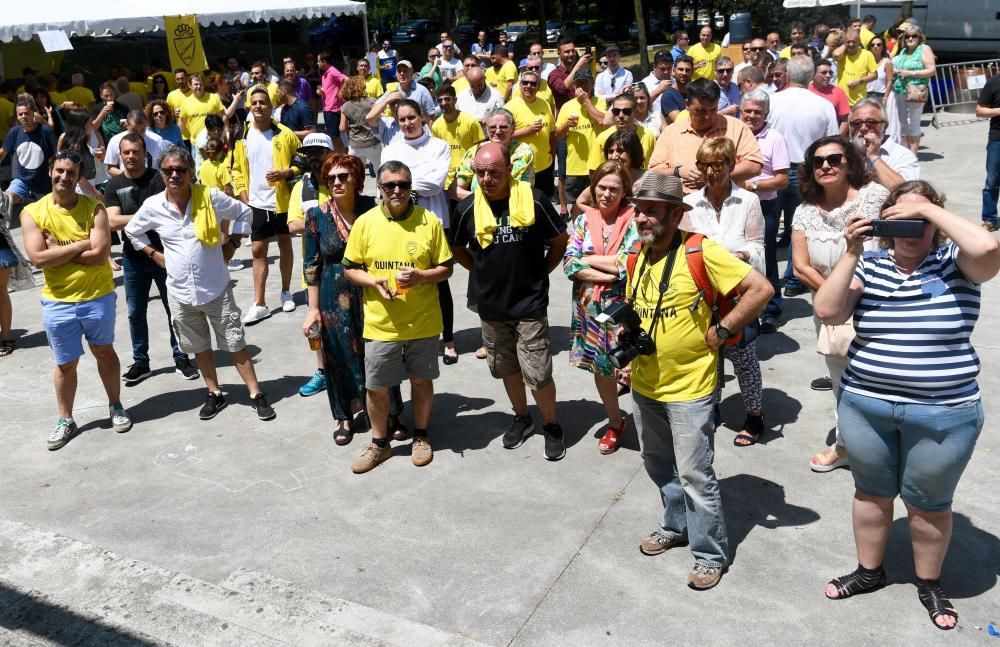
(609, 441)
(344, 433)
(398, 429)
(448, 359)
(934, 600)
(862, 580)
(481, 353)
(753, 429)
(6, 347)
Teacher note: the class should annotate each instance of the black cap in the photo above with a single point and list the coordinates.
(612, 48)
(583, 74)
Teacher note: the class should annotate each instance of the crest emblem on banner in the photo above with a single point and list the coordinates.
(184, 43)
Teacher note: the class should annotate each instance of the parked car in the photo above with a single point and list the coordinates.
(466, 33)
(656, 30)
(518, 30)
(553, 31)
(584, 34)
(340, 30)
(420, 31)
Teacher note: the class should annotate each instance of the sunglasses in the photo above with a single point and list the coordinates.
(535, 68)
(602, 63)
(724, 70)
(64, 155)
(343, 178)
(174, 170)
(159, 113)
(834, 160)
(621, 111)
(716, 167)
(911, 36)
(390, 187)
(871, 123)
(529, 84)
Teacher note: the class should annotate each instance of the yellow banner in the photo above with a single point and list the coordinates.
(184, 43)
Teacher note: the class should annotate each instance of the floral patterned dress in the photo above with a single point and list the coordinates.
(340, 304)
(590, 340)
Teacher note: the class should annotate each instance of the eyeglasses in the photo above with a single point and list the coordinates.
(834, 160)
(621, 111)
(173, 170)
(64, 155)
(390, 187)
(529, 84)
(723, 70)
(871, 123)
(494, 129)
(716, 166)
(343, 178)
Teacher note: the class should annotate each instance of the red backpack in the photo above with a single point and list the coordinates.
(696, 265)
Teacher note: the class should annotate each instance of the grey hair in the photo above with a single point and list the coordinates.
(137, 117)
(176, 152)
(121, 84)
(394, 166)
(800, 70)
(868, 101)
(723, 60)
(758, 96)
(501, 112)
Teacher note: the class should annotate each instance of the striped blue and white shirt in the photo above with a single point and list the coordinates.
(913, 331)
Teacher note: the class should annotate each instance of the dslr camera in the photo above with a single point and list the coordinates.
(633, 340)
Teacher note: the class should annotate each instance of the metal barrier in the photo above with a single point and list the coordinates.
(955, 88)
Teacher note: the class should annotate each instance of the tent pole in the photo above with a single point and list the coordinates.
(364, 21)
(270, 47)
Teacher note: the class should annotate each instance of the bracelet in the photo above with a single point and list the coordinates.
(677, 171)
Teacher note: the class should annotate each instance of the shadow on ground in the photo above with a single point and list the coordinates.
(750, 501)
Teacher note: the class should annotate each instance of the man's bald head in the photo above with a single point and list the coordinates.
(492, 167)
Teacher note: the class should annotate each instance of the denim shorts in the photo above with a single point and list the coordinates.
(66, 324)
(23, 190)
(7, 259)
(916, 451)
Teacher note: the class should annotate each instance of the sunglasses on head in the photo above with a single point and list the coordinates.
(390, 187)
(714, 166)
(621, 111)
(344, 178)
(64, 155)
(834, 160)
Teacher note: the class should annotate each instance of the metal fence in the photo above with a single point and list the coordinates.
(955, 89)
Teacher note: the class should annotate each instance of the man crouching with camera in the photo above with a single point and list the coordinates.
(675, 368)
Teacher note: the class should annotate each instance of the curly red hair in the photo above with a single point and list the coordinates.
(353, 164)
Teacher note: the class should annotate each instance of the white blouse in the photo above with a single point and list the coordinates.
(738, 226)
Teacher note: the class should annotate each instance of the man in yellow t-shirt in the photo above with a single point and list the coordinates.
(704, 53)
(502, 73)
(79, 93)
(459, 129)
(622, 115)
(373, 82)
(67, 235)
(534, 124)
(175, 98)
(544, 92)
(258, 76)
(398, 253)
(673, 383)
(856, 67)
(579, 122)
(198, 105)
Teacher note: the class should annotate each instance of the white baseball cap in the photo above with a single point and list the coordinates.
(316, 140)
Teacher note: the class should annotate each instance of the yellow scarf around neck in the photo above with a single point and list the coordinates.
(521, 205)
(206, 224)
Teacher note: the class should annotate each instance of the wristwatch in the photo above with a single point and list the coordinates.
(677, 171)
(722, 333)
(753, 187)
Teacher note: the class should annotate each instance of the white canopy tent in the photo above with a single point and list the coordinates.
(804, 4)
(22, 20)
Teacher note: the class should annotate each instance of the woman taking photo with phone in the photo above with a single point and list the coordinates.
(910, 410)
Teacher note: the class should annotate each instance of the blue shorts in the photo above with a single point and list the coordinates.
(916, 451)
(23, 190)
(67, 323)
(561, 158)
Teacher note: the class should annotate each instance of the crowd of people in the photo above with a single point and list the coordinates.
(664, 200)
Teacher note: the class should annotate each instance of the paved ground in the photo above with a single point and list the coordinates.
(239, 532)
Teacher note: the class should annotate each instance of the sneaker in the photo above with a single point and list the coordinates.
(555, 448)
(63, 433)
(234, 265)
(316, 384)
(795, 290)
(136, 373)
(214, 403)
(422, 452)
(769, 324)
(185, 369)
(988, 226)
(371, 457)
(704, 577)
(658, 542)
(256, 313)
(821, 384)
(520, 429)
(120, 421)
(263, 409)
(287, 302)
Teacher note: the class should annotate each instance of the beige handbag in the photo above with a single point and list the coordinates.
(834, 341)
(917, 92)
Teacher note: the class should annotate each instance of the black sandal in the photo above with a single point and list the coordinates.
(344, 433)
(862, 580)
(934, 600)
(398, 430)
(6, 347)
(753, 429)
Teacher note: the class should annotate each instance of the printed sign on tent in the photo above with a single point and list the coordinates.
(184, 43)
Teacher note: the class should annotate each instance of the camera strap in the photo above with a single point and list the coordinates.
(668, 269)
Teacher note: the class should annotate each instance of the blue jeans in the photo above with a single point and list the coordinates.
(678, 447)
(140, 274)
(788, 201)
(916, 451)
(991, 190)
(770, 209)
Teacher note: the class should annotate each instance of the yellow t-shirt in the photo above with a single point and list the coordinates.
(854, 67)
(461, 83)
(373, 86)
(195, 109)
(6, 115)
(81, 95)
(139, 88)
(71, 282)
(460, 134)
(499, 80)
(646, 138)
(683, 366)
(544, 92)
(785, 53)
(382, 245)
(175, 99)
(866, 36)
(524, 115)
(272, 92)
(215, 174)
(580, 138)
(708, 54)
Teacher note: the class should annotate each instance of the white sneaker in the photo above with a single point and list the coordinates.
(287, 302)
(256, 313)
(248, 242)
(235, 265)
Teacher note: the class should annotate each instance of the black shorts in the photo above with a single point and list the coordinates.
(267, 224)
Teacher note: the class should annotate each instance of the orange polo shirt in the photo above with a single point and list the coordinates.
(678, 144)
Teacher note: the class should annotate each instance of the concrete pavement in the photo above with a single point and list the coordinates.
(241, 532)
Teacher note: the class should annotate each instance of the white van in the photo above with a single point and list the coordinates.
(962, 29)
